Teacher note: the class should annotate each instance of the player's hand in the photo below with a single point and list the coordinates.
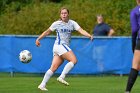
(91, 38)
(37, 43)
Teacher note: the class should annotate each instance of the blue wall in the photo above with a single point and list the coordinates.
(102, 55)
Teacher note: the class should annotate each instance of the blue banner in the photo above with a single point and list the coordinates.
(102, 55)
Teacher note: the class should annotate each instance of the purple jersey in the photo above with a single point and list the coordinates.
(135, 25)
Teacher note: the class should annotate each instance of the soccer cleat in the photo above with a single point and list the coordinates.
(127, 92)
(61, 80)
(42, 88)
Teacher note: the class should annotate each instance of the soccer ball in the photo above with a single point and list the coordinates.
(25, 56)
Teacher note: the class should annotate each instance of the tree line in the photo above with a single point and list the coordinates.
(34, 16)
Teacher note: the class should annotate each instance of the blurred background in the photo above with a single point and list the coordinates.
(34, 16)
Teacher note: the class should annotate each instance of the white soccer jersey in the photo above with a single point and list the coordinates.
(64, 31)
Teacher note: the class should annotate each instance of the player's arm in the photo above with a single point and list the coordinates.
(134, 28)
(45, 33)
(83, 32)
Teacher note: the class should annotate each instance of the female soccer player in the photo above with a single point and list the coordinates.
(61, 50)
(135, 25)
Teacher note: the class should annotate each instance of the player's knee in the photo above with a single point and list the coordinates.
(54, 68)
(74, 61)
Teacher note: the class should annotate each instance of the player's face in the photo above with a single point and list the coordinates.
(99, 19)
(64, 15)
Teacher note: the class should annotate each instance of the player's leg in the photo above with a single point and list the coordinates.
(134, 71)
(72, 60)
(57, 61)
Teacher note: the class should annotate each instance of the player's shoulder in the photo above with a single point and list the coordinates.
(60, 21)
(57, 22)
(135, 9)
(72, 21)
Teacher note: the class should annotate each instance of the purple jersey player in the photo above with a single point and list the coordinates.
(135, 26)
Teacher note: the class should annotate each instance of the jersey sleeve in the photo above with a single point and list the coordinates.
(134, 23)
(75, 25)
(53, 26)
(134, 28)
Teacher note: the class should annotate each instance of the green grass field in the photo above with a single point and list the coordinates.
(78, 84)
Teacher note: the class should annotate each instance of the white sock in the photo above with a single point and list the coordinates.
(46, 78)
(66, 69)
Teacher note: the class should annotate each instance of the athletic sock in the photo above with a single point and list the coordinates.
(46, 78)
(131, 80)
(66, 69)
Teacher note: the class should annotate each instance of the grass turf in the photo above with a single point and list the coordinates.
(78, 84)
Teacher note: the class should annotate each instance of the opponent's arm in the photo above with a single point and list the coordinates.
(83, 32)
(45, 33)
(134, 28)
